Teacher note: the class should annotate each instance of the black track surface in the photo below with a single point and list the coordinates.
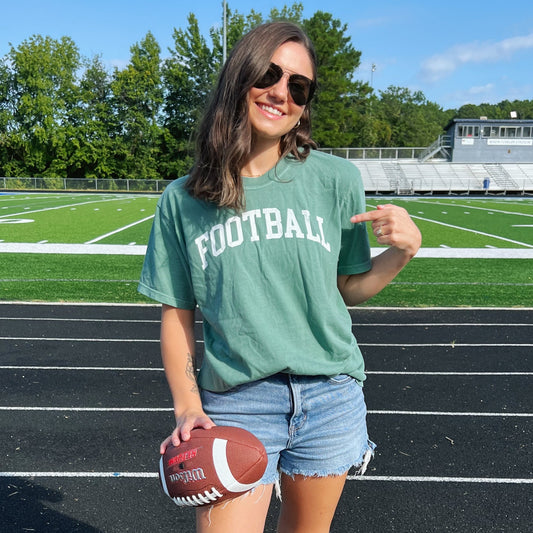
(83, 400)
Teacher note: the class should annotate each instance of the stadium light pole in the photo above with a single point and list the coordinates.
(224, 31)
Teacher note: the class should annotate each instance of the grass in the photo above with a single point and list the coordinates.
(426, 282)
(68, 278)
(459, 222)
(460, 283)
(75, 218)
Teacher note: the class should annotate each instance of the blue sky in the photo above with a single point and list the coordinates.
(455, 52)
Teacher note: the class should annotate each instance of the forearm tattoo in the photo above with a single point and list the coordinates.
(191, 373)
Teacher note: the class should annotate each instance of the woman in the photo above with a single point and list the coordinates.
(267, 236)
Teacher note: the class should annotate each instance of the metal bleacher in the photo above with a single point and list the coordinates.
(443, 177)
(473, 156)
(389, 171)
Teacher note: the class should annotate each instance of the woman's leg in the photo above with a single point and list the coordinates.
(246, 514)
(308, 503)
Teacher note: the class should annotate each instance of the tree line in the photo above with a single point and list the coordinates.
(64, 115)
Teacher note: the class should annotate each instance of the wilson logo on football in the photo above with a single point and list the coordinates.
(196, 474)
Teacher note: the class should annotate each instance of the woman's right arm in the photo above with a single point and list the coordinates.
(177, 352)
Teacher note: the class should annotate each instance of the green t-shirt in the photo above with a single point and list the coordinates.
(265, 279)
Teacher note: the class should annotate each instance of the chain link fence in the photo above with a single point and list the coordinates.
(84, 184)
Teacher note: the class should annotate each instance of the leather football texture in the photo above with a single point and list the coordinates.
(215, 465)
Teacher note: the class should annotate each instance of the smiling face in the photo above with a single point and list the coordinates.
(272, 111)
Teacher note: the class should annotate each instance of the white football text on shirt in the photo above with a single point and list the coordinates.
(268, 223)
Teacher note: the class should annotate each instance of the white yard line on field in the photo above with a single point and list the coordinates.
(58, 207)
(119, 230)
(465, 253)
(481, 208)
(477, 232)
(469, 229)
(65, 248)
(138, 249)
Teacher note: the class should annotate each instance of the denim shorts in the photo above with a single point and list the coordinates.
(313, 426)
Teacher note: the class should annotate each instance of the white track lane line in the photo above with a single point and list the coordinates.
(148, 369)
(200, 341)
(17, 408)
(408, 479)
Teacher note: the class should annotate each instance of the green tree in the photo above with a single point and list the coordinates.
(335, 113)
(42, 93)
(138, 96)
(188, 76)
(370, 129)
(501, 110)
(472, 111)
(6, 113)
(413, 120)
(95, 125)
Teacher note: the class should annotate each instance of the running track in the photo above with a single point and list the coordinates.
(84, 405)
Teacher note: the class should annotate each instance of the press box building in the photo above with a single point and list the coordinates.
(472, 156)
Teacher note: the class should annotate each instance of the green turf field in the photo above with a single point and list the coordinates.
(476, 251)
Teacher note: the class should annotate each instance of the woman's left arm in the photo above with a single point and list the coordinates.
(392, 226)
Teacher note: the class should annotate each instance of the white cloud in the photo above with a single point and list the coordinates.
(481, 89)
(491, 93)
(473, 95)
(441, 65)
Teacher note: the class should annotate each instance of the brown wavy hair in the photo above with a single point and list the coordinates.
(224, 138)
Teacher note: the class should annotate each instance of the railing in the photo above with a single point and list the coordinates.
(442, 144)
(84, 184)
(499, 175)
(467, 186)
(376, 153)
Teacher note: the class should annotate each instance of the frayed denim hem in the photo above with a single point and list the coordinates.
(359, 469)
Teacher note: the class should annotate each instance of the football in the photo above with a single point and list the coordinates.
(215, 465)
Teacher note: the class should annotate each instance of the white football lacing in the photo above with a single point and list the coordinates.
(198, 499)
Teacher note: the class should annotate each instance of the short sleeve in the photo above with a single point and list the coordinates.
(166, 275)
(354, 256)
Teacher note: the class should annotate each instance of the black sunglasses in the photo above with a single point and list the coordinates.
(300, 87)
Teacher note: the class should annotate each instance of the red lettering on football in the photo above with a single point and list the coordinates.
(215, 465)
